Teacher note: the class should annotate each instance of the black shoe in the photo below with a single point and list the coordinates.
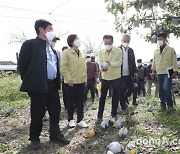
(124, 112)
(35, 145)
(135, 103)
(60, 140)
(162, 109)
(171, 109)
(126, 101)
(99, 120)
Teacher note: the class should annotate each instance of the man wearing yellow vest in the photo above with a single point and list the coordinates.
(110, 61)
(165, 64)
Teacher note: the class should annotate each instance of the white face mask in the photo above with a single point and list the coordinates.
(50, 36)
(108, 47)
(53, 44)
(139, 64)
(77, 43)
(160, 43)
(125, 45)
(88, 59)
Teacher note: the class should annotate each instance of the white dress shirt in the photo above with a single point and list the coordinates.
(125, 68)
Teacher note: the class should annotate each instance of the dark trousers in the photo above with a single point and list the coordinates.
(64, 85)
(75, 99)
(116, 87)
(39, 103)
(141, 87)
(90, 86)
(110, 90)
(96, 91)
(128, 87)
(135, 92)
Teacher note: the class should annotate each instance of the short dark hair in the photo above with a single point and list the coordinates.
(162, 34)
(64, 48)
(151, 60)
(92, 57)
(71, 39)
(41, 23)
(139, 60)
(108, 37)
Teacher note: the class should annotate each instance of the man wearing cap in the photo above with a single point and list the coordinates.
(165, 64)
(150, 81)
(91, 77)
(141, 75)
(55, 39)
(64, 85)
(53, 44)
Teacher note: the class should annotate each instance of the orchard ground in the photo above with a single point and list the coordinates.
(154, 132)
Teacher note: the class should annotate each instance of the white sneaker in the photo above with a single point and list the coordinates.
(71, 124)
(82, 124)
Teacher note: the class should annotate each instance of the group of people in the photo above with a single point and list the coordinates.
(143, 82)
(41, 68)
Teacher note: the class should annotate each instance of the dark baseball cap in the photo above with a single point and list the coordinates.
(56, 38)
(139, 60)
(162, 34)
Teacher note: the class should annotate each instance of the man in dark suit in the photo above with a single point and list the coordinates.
(39, 70)
(128, 72)
(141, 74)
(64, 85)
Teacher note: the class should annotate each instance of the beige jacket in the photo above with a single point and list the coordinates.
(164, 60)
(115, 59)
(73, 67)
